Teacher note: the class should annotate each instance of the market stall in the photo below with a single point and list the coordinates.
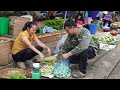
(51, 31)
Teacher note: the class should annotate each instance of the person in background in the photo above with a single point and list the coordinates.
(77, 48)
(79, 17)
(107, 19)
(89, 19)
(80, 21)
(100, 16)
(23, 50)
(52, 14)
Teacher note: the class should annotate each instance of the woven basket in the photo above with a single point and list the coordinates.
(6, 73)
(4, 50)
(50, 37)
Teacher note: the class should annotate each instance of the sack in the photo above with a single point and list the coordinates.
(16, 24)
(62, 69)
(60, 43)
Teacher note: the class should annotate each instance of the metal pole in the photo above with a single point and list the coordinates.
(63, 23)
(64, 19)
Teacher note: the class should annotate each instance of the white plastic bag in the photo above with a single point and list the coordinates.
(28, 16)
(60, 43)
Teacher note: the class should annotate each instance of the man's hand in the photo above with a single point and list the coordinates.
(66, 55)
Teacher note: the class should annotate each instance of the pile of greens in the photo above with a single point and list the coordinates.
(55, 23)
(18, 76)
(107, 38)
(95, 40)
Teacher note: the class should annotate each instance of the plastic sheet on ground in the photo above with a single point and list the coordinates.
(106, 47)
(49, 76)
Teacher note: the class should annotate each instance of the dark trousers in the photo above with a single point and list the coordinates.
(86, 26)
(105, 21)
(82, 58)
(26, 54)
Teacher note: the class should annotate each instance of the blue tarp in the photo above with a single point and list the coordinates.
(93, 14)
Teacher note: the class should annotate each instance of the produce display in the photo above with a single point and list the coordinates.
(48, 66)
(113, 32)
(117, 23)
(62, 70)
(96, 41)
(50, 60)
(107, 38)
(47, 69)
(18, 76)
(55, 23)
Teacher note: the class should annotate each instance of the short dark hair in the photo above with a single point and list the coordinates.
(69, 23)
(28, 25)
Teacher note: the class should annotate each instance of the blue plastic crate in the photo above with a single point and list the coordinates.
(92, 28)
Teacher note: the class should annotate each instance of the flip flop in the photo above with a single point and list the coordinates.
(77, 74)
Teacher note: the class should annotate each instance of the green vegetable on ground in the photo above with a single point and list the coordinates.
(18, 76)
(47, 69)
(55, 23)
(107, 38)
(95, 40)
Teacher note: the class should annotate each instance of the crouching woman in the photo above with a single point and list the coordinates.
(23, 50)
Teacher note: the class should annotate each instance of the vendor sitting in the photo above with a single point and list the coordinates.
(23, 50)
(80, 21)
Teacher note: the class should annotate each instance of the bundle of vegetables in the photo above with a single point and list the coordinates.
(107, 38)
(50, 60)
(49, 64)
(117, 23)
(18, 76)
(62, 69)
(47, 69)
(95, 40)
(55, 23)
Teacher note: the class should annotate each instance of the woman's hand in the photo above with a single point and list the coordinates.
(38, 42)
(42, 57)
(49, 51)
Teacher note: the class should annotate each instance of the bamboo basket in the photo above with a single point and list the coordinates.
(6, 73)
(50, 37)
(4, 50)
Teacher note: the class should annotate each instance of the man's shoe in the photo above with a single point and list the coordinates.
(77, 74)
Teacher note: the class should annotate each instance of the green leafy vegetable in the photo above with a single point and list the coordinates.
(96, 41)
(55, 23)
(18, 76)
